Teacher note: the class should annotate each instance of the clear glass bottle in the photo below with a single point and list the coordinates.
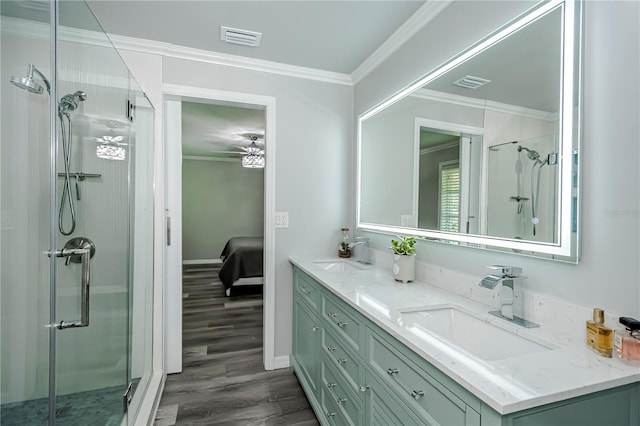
(599, 336)
(626, 341)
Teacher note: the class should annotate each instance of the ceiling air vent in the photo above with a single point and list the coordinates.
(237, 36)
(471, 82)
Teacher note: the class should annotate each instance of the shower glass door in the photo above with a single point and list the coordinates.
(94, 172)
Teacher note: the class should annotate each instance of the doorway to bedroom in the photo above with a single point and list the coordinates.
(219, 196)
(222, 230)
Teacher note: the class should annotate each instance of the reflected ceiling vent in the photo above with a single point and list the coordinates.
(237, 36)
(471, 82)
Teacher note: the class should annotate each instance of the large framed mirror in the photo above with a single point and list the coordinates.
(483, 150)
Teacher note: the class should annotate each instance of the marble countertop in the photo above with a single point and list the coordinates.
(507, 385)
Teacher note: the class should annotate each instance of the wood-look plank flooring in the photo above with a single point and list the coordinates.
(223, 381)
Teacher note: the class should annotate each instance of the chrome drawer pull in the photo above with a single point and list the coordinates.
(331, 348)
(331, 414)
(364, 388)
(341, 400)
(417, 394)
(331, 314)
(315, 328)
(342, 323)
(305, 291)
(392, 371)
(331, 385)
(342, 361)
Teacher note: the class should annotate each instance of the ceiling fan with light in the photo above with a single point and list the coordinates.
(252, 156)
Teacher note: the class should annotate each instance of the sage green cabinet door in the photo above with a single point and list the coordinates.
(306, 344)
(382, 408)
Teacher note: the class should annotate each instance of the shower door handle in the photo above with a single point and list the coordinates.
(79, 250)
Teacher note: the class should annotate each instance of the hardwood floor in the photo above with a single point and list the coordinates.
(223, 381)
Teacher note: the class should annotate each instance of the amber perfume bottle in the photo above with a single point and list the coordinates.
(599, 336)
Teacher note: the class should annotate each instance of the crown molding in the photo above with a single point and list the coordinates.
(205, 158)
(23, 27)
(487, 105)
(415, 23)
(441, 147)
(187, 53)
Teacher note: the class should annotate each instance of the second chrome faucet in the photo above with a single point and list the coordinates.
(363, 252)
(508, 276)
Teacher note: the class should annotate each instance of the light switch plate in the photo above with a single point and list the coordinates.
(281, 219)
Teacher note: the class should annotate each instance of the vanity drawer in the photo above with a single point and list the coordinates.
(418, 389)
(342, 322)
(308, 289)
(343, 359)
(337, 390)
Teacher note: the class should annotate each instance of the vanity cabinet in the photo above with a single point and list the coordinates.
(355, 373)
(342, 362)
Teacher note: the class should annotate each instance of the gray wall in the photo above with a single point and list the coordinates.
(314, 134)
(607, 275)
(220, 200)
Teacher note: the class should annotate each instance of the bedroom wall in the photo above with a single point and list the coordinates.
(220, 200)
(607, 275)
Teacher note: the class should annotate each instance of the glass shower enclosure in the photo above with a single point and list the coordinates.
(76, 221)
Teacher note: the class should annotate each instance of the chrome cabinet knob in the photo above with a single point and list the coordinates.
(331, 348)
(331, 385)
(417, 394)
(364, 388)
(342, 324)
(392, 371)
(331, 414)
(315, 328)
(341, 400)
(342, 361)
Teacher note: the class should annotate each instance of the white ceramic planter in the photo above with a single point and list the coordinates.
(404, 268)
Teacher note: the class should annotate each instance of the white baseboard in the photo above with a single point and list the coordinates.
(281, 361)
(202, 261)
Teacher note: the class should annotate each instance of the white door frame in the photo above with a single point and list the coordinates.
(197, 94)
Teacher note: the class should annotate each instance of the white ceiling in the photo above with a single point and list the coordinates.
(334, 36)
(209, 129)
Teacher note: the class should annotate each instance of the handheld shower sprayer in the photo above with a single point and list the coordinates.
(532, 154)
(69, 102)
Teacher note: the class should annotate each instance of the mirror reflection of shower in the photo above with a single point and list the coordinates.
(536, 169)
(67, 104)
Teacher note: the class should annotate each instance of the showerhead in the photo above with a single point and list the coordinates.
(27, 83)
(531, 153)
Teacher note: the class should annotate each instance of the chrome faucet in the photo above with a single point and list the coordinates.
(507, 276)
(363, 254)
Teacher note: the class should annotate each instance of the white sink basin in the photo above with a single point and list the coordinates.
(473, 335)
(337, 266)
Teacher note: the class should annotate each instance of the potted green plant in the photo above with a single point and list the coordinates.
(404, 259)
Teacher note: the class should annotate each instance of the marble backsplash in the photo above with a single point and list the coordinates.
(539, 308)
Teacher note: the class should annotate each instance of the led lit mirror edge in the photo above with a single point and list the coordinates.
(568, 247)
